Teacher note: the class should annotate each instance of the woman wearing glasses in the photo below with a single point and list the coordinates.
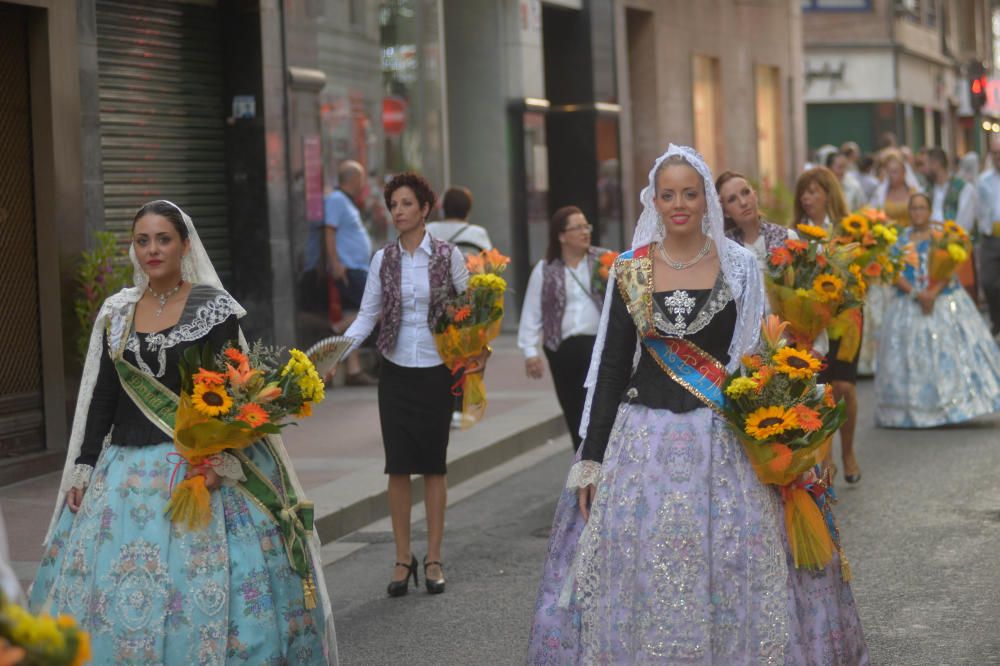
(561, 311)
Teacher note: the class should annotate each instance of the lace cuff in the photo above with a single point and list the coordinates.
(228, 467)
(584, 473)
(80, 477)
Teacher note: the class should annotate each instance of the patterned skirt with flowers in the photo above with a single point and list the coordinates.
(685, 561)
(151, 593)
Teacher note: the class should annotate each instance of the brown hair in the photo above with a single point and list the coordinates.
(456, 203)
(421, 189)
(557, 225)
(724, 178)
(836, 208)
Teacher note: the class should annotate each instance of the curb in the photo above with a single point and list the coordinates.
(361, 498)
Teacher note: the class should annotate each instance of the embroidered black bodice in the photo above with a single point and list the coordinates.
(706, 317)
(206, 316)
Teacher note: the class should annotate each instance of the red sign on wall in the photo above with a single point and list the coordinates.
(312, 168)
(393, 115)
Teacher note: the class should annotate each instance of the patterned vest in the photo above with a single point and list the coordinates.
(390, 275)
(774, 235)
(554, 297)
(952, 197)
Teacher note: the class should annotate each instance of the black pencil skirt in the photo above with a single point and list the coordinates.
(569, 365)
(414, 407)
(841, 371)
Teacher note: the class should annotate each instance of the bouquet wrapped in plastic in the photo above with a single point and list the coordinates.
(871, 239)
(786, 422)
(469, 322)
(229, 401)
(950, 247)
(40, 639)
(602, 270)
(810, 286)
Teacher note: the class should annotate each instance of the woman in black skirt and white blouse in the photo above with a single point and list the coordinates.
(561, 313)
(409, 282)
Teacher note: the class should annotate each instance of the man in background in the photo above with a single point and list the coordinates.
(456, 228)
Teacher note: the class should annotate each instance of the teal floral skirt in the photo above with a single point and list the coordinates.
(151, 593)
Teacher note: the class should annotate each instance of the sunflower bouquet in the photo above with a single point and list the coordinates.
(870, 239)
(464, 330)
(950, 247)
(602, 269)
(810, 286)
(41, 640)
(230, 400)
(786, 422)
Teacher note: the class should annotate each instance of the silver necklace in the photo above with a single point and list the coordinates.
(162, 298)
(681, 265)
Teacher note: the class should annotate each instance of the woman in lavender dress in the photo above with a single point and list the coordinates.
(665, 547)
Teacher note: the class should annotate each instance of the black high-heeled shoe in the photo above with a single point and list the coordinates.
(433, 586)
(399, 588)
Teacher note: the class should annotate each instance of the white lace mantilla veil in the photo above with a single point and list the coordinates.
(196, 268)
(738, 264)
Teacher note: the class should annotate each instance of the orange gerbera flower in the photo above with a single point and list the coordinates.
(780, 256)
(796, 245)
(763, 376)
(752, 362)
(236, 356)
(462, 314)
(208, 378)
(607, 259)
(253, 414)
(874, 269)
(808, 418)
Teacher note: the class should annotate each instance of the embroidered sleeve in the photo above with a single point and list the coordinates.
(584, 473)
(80, 478)
(228, 466)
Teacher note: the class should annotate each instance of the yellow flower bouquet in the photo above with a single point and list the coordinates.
(869, 238)
(785, 422)
(464, 330)
(810, 286)
(950, 247)
(40, 639)
(229, 401)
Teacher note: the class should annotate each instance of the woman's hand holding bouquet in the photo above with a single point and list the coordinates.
(229, 401)
(786, 422)
(950, 247)
(811, 287)
(469, 322)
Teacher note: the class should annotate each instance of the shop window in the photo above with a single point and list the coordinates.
(707, 98)
(767, 88)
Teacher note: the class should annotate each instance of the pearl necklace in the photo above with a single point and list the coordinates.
(162, 298)
(681, 265)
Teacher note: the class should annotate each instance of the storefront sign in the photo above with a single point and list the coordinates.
(244, 107)
(312, 169)
(393, 115)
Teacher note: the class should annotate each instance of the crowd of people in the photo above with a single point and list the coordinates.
(665, 546)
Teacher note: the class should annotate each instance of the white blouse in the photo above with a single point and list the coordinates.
(581, 316)
(415, 346)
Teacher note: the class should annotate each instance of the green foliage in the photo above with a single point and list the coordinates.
(103, 271)
(776, 204)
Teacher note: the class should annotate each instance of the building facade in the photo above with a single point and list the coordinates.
(723, 76)
(894, 66)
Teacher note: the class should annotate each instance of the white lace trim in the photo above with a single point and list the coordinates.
(80, 476)
(208, 315)
(228, 466)
(584, 473)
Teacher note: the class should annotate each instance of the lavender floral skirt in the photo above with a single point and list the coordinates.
(684, 561)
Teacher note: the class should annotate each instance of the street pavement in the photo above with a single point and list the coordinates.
(922, 533)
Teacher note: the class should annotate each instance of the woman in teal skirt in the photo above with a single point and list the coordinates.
(248, 588)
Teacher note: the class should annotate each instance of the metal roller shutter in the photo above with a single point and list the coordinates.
(162, 115)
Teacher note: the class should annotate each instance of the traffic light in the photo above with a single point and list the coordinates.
(977, 86)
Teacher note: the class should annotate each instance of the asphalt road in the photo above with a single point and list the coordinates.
(922, 531)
